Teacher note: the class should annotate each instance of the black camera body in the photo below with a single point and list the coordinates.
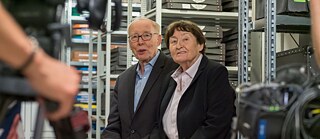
(42, 20)
(283, 109)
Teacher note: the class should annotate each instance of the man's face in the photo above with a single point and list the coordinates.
(144, 40)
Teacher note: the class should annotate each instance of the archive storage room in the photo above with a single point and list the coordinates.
(252, 72)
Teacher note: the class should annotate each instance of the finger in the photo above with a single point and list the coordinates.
(13, 130)
(63, 111)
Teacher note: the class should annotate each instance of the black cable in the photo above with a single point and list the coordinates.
(294, 123)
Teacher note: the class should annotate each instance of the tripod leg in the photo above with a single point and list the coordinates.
(39, 123)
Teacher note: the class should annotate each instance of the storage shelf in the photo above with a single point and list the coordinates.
(75, 63)
(78, 18)
(195, 14)
(112, 76)
(227, 19)
(232, 68)
(80, 41)
(286, 23)
(116, 36)
(85, 86)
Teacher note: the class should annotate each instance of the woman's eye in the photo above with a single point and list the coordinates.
(173, 42)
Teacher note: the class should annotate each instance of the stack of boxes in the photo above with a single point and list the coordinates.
(203, 5)
(232, 5)
(284, 7)
(83, 56)
(118, 60)
(81, 32)
(230, 38)
(215, 50)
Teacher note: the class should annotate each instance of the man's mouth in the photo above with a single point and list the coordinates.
(141, 51)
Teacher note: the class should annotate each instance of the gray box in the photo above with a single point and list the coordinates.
(187, 6)
(287, 7)
(210, 2)
(215, 51)
(216, 57)
(216, 28)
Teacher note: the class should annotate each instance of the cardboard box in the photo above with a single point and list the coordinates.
(287, 7)
(83, 56)
(187, 6)
(210, 2)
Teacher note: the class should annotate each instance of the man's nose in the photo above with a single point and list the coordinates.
(140, 40)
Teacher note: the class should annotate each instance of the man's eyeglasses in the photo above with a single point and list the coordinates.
(144, 36)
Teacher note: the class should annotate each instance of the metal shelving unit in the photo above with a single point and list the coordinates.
(83, 45)
(270, 25)
(103, 65)
(165, 16)
(286, 23)
(228, 19)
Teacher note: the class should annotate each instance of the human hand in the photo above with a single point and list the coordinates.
(55, 81)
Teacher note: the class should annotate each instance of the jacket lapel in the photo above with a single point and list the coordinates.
(203, 64)
(167, 97)
(156, 71)
(131, 87)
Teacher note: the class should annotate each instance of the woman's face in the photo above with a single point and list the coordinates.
(184, 47)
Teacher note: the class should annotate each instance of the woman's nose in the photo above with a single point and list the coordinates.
(179, 44)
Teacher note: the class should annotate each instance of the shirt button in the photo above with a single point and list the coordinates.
(133, 131)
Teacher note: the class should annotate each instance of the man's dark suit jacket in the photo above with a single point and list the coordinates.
(123, 122)
(206, 108)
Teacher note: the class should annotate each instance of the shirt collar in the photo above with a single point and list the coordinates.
(151, 62)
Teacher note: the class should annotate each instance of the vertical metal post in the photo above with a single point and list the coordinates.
(243, 32)
(129, 18)
(68, 48)
(90, 83)
(270, 32)
(108, 63)
(159, 14)
(100, 86)
(143, 8)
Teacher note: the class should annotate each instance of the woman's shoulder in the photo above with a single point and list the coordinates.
(215, 65)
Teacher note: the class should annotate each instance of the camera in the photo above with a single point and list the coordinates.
(42, 19)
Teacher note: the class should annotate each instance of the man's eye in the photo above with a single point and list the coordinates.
(146, 35)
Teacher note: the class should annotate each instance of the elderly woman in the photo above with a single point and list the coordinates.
(199, 101)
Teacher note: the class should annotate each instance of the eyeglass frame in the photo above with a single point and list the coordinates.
(140, 36)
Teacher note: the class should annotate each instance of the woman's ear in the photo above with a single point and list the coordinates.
(159, 39)
(200, 47)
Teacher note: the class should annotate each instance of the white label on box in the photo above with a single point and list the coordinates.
(199, 1)
(87, 60)
(199, 6)
(87, 55)
(201, 27)
(186, 6)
